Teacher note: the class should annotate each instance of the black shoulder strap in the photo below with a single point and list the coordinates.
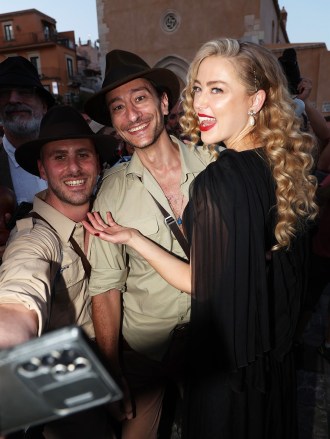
(75, 245)
(172, 224)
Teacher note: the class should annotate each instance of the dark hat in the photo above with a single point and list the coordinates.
(290, 67)
(122, 67)
(59, 123)
(17, 71)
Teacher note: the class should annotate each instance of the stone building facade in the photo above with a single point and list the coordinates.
(167, 33)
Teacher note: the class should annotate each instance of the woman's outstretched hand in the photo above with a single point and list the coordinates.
(111, 232)
(175, 271)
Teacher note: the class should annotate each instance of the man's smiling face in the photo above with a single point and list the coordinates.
(137, 113)
(71, 168)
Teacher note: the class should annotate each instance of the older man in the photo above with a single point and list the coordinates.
(23, 103)
(44, 273)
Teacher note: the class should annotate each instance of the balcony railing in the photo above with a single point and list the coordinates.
(32, 38)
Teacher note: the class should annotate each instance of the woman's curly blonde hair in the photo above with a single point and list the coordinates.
(288, 149)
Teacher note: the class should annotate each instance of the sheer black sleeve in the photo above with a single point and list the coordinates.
(229, 223)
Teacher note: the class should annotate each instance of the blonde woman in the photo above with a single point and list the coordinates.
(246, 223)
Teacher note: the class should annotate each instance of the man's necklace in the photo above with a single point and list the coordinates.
(172, 201)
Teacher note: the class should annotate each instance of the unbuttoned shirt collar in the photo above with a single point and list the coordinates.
(190, 164)
(63, 225)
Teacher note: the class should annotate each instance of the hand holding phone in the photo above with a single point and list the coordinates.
(49, 377)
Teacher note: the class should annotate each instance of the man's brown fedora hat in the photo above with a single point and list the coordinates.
(123, 67)
(63, 122)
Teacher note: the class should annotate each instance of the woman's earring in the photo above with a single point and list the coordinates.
(252, 119)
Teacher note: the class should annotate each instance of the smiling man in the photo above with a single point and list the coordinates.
(136, 314)
(44, 273)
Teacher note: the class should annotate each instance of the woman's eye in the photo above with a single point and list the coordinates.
(216, 90)
(196, 89)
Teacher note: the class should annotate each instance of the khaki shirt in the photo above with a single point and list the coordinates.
(41, 270)
(152, 307)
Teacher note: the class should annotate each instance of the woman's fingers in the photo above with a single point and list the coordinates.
(89, 227)
(96, 221)
(110, 232)
(111, 221)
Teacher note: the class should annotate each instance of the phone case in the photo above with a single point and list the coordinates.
(49, 377)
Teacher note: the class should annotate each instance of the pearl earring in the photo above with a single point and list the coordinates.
(252, 119)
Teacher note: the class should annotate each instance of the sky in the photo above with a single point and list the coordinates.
(308, 21)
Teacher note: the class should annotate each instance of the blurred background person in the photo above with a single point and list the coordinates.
(300, 89)
(23, 102)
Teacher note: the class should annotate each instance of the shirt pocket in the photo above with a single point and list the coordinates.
(148, 227)
(70, 278)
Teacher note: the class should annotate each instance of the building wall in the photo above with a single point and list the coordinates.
(27, 25)
(138, 26)
(89, 54)
(89, 70)
(34, 37)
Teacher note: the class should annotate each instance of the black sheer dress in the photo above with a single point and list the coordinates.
(245, 305)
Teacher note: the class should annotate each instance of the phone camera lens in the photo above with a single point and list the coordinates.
(59, 370)
(30, 367)
(81, 363)
(68, 356)
(50, 359)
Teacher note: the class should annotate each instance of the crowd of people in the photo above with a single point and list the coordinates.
(185, 259)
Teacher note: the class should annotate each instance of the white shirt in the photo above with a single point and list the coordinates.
(25, 184)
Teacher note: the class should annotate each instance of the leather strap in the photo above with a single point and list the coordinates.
(75, 245)
(172, 224)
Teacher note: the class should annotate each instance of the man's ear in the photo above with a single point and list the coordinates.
(258, 100)
(42, 170)
(164, 104)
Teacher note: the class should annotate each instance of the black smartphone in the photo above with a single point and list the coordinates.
(49, 377)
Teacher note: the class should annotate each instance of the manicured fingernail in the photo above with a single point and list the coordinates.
(96, 234)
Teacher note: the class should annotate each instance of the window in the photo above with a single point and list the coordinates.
(55, 88)
(170, 21)
(46, 32)
(8, 31)
(69, 65)
(35, 60)
(68, 98)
